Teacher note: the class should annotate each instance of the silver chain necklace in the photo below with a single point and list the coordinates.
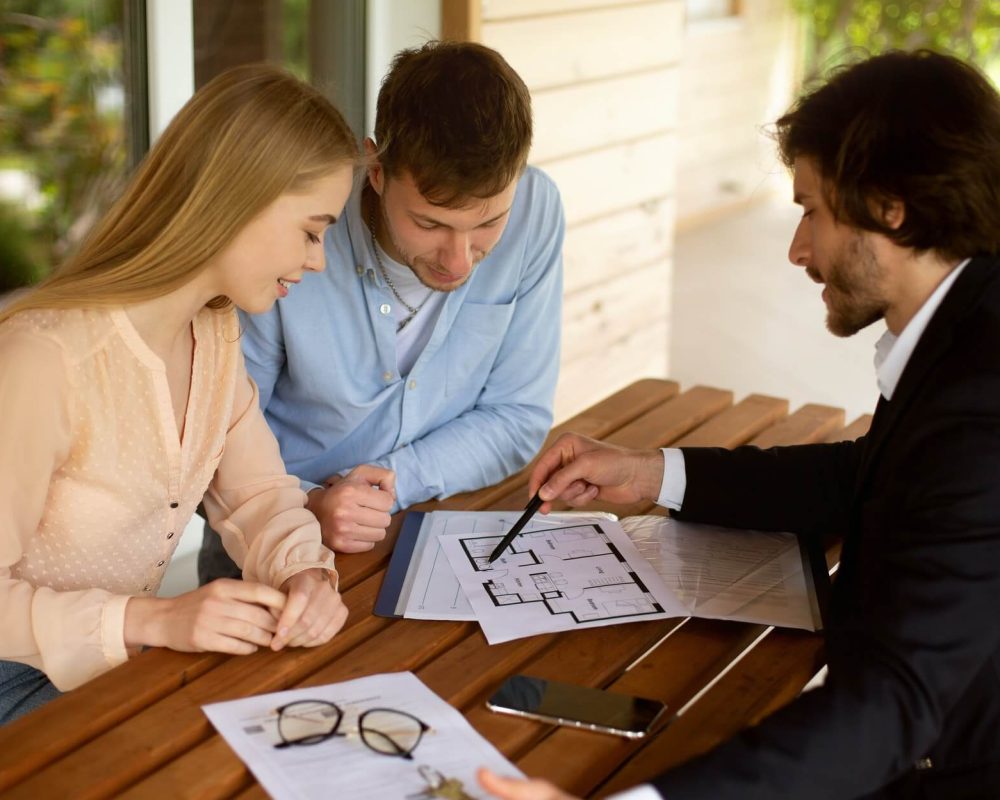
(385, 276)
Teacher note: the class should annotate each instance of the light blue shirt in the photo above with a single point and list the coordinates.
(477, 403)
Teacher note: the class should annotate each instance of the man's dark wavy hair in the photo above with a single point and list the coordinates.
(455, 116)
(922, 128)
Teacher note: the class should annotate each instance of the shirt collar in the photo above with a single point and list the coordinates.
(893, 352)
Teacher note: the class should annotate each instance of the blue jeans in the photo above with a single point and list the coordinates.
(22, 689)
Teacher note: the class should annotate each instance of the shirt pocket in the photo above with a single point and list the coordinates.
(473, 344)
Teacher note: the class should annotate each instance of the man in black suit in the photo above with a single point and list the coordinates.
(897, 169)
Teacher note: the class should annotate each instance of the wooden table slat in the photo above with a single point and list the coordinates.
(124, 754)
(770, 675)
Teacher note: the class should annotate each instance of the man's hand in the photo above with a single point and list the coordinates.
(577, 470)
(518, 789)
(313, 613)
(353, 511)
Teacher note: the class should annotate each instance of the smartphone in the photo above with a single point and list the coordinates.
(576, 706)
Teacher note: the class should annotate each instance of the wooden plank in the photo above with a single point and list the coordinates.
(618, 244)
(613, 310)
(143, 743)
(771, 675)
(627, 175)
(619, 363)
(560, 50)
(855, 430)
(811, 423)
(586, 116)
(461, 20)
(29, 743)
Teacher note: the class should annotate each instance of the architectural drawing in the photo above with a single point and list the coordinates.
(575, 572)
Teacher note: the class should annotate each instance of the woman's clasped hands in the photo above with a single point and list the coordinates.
(238, 617)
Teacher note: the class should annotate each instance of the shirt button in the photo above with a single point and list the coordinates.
(413, 384)
(174, 504)
(160, 563)
(145, 588)
(385, 308)
(387, 376)
(170, 535)
(359, 269)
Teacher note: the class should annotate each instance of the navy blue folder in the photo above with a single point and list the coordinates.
(392, 584)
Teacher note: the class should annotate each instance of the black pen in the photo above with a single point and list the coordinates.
(533, 505)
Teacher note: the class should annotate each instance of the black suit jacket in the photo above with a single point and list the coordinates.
(912, 704)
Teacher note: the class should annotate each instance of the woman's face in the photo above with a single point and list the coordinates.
(270, 255)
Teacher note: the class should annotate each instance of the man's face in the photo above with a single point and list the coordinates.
(836, 255)
(441, 245)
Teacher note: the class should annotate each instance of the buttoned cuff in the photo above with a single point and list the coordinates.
(674, 482)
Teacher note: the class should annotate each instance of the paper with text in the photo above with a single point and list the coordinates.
(345, 767)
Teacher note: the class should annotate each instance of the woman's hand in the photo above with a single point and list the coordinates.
(224, 616)
(313, 613)
(519, 789)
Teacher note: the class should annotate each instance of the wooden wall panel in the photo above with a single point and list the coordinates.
(612, 179)
(611, 366)
(614, 244)
(588, 116)
(604, 78)
(566, 49)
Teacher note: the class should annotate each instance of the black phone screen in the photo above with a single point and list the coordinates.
(569, 704)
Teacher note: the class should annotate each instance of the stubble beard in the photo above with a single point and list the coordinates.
(854, 294)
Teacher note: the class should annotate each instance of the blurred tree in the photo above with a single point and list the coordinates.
(966, 28)
(61, 119)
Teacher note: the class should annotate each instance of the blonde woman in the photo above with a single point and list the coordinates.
(124, 401)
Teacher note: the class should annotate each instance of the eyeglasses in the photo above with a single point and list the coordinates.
(384, 730)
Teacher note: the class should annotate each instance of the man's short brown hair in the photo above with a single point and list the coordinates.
(921, 128)
(457, 118)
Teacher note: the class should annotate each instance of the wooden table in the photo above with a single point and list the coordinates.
(138, 731)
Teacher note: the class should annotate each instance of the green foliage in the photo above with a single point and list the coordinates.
(966, 28)
(61, 115)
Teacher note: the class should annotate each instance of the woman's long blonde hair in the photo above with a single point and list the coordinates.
(248, 136)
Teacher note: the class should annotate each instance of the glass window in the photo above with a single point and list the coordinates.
(65, 138)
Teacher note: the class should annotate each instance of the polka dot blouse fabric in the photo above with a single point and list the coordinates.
(98, 483)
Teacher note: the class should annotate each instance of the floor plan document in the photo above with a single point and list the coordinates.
(420, 583)
(569, 573)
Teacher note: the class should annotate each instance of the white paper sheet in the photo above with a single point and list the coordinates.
(726, 573)
(345, 767)
(572, 574)
(431, 588)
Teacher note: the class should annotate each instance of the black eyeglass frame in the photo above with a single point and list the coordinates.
(401, 752)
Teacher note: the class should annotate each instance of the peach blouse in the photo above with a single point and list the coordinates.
(96, 484)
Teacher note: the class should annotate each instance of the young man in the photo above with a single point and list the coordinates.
(423, 361)
(897, 169)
